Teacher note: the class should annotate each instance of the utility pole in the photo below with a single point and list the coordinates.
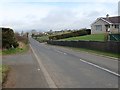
(119, 14)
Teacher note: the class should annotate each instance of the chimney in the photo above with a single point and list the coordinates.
(107, 16)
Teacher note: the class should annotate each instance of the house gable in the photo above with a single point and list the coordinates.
(99, 19)
(99, 26)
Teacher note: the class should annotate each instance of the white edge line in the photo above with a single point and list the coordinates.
(100, 67)
(47, 76)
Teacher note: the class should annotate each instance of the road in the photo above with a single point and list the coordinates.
(66, 68)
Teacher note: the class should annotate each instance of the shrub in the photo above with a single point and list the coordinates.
(72, 34)
(8, 38)
(15, 44)
(23, 38)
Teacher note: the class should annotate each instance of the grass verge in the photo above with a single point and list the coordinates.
(106, 54)
(4, 69)
(97, 52)
(15, 50)
(42, 39)
(92, 37)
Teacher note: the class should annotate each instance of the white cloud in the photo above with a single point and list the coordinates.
(100, 1)
(56, 16)
(23, 15)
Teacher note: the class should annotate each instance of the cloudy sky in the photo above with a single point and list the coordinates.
(44, 15)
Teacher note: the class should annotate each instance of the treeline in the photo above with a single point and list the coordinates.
(22, 38)
(71, 34)
(8, 38)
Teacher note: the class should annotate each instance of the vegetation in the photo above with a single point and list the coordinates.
(72, 34)
(15, 50)
(92, 37)
(59, 32)
(22, 42)
(4, 71)
(55, 35)
(8, 39)
(115, 55)
(97, 52)
(42, 38)
(22, 38)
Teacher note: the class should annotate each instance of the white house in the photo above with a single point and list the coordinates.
(107, 24)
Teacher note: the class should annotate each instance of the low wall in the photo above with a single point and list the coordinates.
(109, 46)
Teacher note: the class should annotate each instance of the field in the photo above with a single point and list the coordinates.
(42, 38)
(93, 37)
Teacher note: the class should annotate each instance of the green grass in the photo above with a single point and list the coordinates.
(94, 51)
(104, 54)
(98, 52)
(92, 37)
(42, 38)
(59, 33)
(4, 69)
(14, 50)
(0, 52)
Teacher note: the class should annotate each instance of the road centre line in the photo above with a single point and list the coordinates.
(60, 52)
(38, 69)
(107, 70)
(65, 53)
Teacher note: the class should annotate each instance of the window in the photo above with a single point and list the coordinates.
(99, 27)
(117, 26)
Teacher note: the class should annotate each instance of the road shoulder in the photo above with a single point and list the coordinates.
(25, 72)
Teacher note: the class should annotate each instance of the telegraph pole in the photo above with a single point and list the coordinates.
(119, 14)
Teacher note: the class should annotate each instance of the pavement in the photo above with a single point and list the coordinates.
(24, 71)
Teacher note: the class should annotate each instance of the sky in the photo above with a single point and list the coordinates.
(44, 15)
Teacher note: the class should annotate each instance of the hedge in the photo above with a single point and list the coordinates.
(72, 34)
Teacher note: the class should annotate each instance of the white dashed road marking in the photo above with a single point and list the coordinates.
(38, 69)
(61, 52)
(65, 53)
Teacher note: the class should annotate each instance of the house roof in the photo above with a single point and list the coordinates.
(112, 20)
(109, 20)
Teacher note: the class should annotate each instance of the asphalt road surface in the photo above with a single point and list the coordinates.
(24, 71)
(65, 68)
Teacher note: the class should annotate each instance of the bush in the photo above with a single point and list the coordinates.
(8, 38)
(15, 44)
(72, 34)
(23, 38)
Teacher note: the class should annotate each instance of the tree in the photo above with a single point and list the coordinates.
(33, 35)
(8, 38)
(50, 32)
